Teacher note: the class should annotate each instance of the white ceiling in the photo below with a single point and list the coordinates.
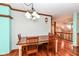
(55, 9)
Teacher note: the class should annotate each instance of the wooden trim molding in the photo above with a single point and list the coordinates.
(3, 4)
(26, 11)
(1, 15)
(55, 28)
(18, 10)
(51, 24)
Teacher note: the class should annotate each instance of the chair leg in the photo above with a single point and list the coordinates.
(47, 52)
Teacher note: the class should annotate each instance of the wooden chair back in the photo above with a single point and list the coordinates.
(50, 37)
(51, 43)
(19, 37)
(32, 45)
(31, 40)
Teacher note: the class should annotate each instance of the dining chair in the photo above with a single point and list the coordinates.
(51, 43)
(23, 47)
(32, 45)
(19, 38)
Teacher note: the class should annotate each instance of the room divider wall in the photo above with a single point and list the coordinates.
(5, 24)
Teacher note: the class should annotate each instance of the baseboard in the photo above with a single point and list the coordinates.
(8, 52)
(4, 54)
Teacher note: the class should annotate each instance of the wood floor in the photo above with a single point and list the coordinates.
(43, 52)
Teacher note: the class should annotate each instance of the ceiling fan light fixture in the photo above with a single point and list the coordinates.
(33, 14)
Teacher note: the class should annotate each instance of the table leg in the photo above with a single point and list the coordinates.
(56, 45)
(62, 44)
(20, 50)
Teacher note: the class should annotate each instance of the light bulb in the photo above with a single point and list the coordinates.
(35, 14)
(28, 15)
(34, 18)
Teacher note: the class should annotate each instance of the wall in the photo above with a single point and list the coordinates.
(78, 23)
(62, 22)
(4, 31)
(27, 27)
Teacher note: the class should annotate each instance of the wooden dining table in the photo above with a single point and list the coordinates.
(22, 42)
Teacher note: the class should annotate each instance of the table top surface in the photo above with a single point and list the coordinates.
(42, 39)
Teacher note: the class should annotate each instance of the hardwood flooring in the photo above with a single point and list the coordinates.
(62, 52)
(66, 51)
